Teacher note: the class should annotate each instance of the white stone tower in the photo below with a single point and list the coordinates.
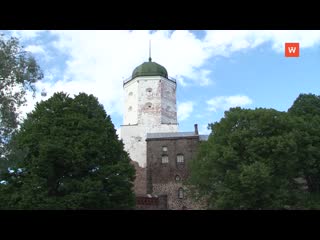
(150, 106)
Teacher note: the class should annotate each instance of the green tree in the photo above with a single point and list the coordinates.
(18, 73)
(306, 111)
(249, 162)
(71, 158)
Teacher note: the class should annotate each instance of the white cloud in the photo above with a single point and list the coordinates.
(204, 77)
(98, 61)
(26, 34)
(31, 101)
(184, 110)
(204, 129)
(40, 50)
(226, 42)
(224, 102)
(35, 49)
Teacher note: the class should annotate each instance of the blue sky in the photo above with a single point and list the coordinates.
(215, 70)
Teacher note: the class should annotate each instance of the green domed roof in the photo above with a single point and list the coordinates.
(150, 69)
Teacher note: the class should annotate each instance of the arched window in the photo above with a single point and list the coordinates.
(149, 90)
(180, 193)
(130, 93)
(148, 105)
(130, 108)
(180, 159)
(177, 178)
(164, 159)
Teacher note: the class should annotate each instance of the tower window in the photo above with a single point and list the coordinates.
(180, 193)
(130, 93)
(164, 148)
(149, 90)
(165, 159)
(180, 159)
(148, 105)
(130, 108)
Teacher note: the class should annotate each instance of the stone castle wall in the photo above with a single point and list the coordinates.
(168, 178)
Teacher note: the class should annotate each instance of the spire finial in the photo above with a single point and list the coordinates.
(150, 51)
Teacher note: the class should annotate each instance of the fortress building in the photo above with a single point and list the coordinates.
(150, 107)
(150, 134)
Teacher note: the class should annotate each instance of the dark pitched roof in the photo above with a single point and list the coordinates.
(170, 135)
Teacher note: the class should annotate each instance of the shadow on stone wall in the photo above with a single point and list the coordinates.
(140, 183)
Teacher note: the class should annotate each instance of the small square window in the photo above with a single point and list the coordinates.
(165, 149)
(180, 159)
(165, 159)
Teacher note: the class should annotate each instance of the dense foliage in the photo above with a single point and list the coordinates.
(68, 156)
(262, 159)
(18, 73)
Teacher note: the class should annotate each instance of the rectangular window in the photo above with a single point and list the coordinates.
(180, 159)
(180, 193)
(165, 159)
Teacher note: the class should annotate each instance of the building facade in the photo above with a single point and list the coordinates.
(159, 152)
(150, 106)
(168, 159)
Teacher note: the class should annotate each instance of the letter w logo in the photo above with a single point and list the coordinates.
(292, 50)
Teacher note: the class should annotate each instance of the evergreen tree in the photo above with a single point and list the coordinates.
(70, 158)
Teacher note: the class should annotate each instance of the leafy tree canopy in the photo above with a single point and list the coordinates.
(18, 73)
(249, 162)
(69, 158)
(306, 110)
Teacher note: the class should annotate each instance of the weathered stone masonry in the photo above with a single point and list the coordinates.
(150, 135)
(167, 178)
